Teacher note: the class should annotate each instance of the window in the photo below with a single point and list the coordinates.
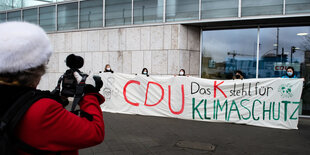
(2, 17)
(283, 47)
(91, 13)
(226, 51)
(148, 11)
(118, 12)
(47, 18)
(261, 7)
(14, 16)
(28, 3)
(67, 16)
(178, 10)
(219, 9)
(297, 6)
(31, 15)
(10, 4)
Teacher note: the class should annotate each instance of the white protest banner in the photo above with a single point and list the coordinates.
(267, 102)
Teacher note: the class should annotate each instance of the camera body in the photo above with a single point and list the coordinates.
(69, 83)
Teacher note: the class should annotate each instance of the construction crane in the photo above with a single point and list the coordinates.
(234, 54)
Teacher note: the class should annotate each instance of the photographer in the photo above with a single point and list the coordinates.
(238, 75)
(45, 127)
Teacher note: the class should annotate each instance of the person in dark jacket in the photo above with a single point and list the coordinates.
(145, 72)
(182, 72)
(108, 68)
(24, 52)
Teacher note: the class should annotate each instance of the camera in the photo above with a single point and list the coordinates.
(69, 83)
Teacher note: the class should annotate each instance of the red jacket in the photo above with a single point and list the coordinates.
(48, 126)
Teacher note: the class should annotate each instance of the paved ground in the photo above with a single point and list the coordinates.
(133, 134)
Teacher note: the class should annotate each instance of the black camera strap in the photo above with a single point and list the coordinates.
(56, 91)
(79, 93)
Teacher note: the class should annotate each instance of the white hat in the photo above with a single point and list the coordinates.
(22, 46)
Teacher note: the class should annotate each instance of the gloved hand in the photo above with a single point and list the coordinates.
(93, 82)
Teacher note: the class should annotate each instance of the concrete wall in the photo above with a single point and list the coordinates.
(163, 49)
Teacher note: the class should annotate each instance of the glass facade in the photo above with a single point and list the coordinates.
(14, 16)
(47, 18)
(282, 47)
(297, 6)
(225, 51)
(148, 11)
(91, 14)
(2, 17)
(29, 3)
(261, 7)
(67, 16)
(219, 9)
(178, 10)
(13, 4)
(31, 15)
(10, 4)
(81, 14)
(118, 12)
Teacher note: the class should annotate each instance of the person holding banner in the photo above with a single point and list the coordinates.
(145, 72)
(182, 72)
(290, 73)
(108, 69)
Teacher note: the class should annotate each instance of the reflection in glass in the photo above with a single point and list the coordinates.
(148, 11)
(219, 9)
(47, 18)
(302, 55)
(225, 51)
(270, 53)
(67, 16)
(297, 6)
(14, 16)
(10, 4)
(118, 12)
(14, 4)
(2, 17)
(261, 7)
(280, 48)
(177, 10)
(28, 3)
(31, 16)
(91, 13)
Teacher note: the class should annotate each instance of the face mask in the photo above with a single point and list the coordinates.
(289, 73)
(237, 76)
(145, 73)
(181, 73)
(108, 69)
